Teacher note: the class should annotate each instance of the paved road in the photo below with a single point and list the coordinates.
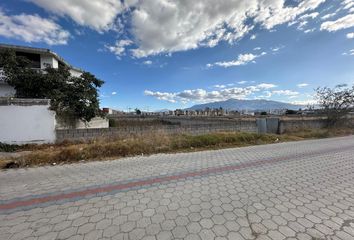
(301, 190)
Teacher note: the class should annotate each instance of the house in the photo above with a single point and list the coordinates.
(107, 110)
(30, 120)
(39, 58)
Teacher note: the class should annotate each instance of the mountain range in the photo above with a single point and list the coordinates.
(250, 105)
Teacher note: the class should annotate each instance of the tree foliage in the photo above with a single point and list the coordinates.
(71, 97)
(137, 111)
(336, 102)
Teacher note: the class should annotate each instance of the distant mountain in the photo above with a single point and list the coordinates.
(250, 105)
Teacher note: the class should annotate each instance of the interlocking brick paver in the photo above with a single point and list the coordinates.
(300, 190)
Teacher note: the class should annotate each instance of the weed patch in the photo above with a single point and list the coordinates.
(158, 142)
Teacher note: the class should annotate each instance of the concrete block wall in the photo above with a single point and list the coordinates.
(96, 122)
(298, 124)
(196, 129)
(261, 125)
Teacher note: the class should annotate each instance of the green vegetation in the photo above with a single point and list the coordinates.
(8, 147)
(112, 123)
(71, 97)
(137, 111)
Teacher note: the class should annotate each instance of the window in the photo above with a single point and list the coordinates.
(35, 59)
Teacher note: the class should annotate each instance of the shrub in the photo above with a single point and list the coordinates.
(8, 147)
(112, 123)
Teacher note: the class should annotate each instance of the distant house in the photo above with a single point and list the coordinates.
(39, 58)
(107, 110)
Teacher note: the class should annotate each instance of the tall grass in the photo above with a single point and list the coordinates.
(157, 142)
(146, 144)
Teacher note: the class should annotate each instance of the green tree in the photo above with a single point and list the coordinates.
(137, 111)
(290, 112)
(72, 98)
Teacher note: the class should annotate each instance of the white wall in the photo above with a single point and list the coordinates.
(48, 60)
(26, 124)
(6, 90)
(75, 73)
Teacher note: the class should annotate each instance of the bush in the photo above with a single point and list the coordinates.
(112, 123)
(8, 147)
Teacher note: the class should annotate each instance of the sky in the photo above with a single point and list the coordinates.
(168, 54)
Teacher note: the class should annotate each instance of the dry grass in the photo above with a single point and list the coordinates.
(321, 133)
(100, 149)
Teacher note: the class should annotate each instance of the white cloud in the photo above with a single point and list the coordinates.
(302, 25)
(119, 47)
(327, 16)
(350, 35)
(147, 62)
(350, 52)
(96, 14)
(304, 20)
(265, 94)
(166, 26)
(274, 12)
(253, 37)
(32, 28)
(301, 85)
(201, 95)
(305, 102)
(161, 26)
(170, 97)
(341, 23)
(257, 48)
(276, 49)
(309, 15)
(242, 59)
(266, 85)
(242, 82)
(114, 93)
(169, 26)
(219, 86)
(309, 30)
(289, 93)
(348, 4)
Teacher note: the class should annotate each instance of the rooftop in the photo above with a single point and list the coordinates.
(39, 51)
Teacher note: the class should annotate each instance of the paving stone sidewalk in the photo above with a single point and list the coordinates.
(297, 190)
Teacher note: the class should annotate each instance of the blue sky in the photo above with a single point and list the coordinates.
(157, 54)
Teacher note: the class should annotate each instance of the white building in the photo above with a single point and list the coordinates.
(40, 58)
(30, 120)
